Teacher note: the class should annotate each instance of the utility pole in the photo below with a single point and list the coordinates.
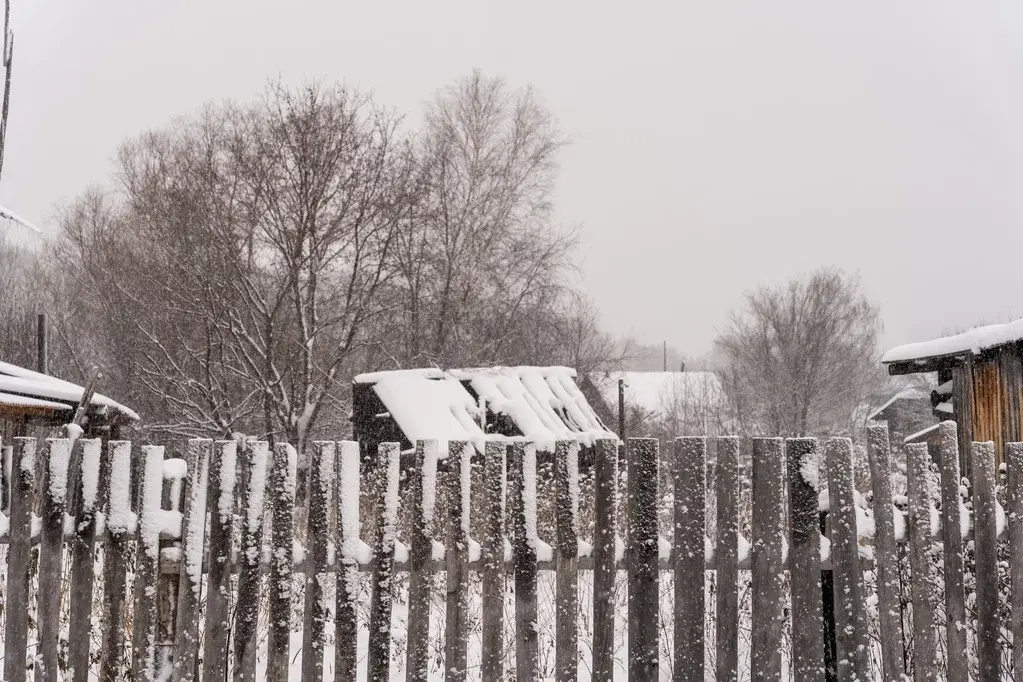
(42, 345)
(665, 356)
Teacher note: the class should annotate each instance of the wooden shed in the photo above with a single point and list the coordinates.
(980, 382)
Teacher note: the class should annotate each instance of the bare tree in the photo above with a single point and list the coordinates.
(800, 358)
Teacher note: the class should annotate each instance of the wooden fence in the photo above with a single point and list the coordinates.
(210, 541)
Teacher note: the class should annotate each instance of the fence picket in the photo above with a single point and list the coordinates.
(644, 582)
(924, 646)
(850, 618)
(19, 558)
(605, 474)
(566, 493)
(492, 668)
(379, 665)
(55, 457)
(985, 543)
(120, 524)
(688, 554)
(321, 472)
(955, 596)
(805, 560)
(726, 558)
(220, 505)
(255, 462)
(346, 626)
(147, 553)
(768, 595)
(424, 490)
(92, 486)
(456, 631)
(193, 542)
(522, 496)
(885, 557)
(1014, 517)
(283, 477)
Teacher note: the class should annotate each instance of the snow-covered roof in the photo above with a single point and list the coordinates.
(921, 433)
(48, 392)
(656, 392)
(543, 403)
(973, 341)
(11, 215)
(913, 393)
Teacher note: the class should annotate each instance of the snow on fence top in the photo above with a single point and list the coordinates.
(20, 387)
(543, 403)
(973, 341)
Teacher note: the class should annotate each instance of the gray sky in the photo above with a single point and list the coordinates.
(714, 147)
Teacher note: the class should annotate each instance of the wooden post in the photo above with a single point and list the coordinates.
(456, 633)
(321, 473)
(1014, 516)
(690, 484)
(924, 646)
(346, 625)
(283, 477)
(119, 525)
(55, 459)
(254, 462)
(493, 561)
(19, 559)
(566, 482)
(147, 555)
(985, 543)
(220, 505)
(605, 473)
(424, 490)
(389, 455)
(768, 571)
(193, 544)
(885, 557)
(92, 486)
(850, 618)
(805, 560)
(644, 583)
(726, 560)
(42, 344)
(955, 596)
(522, 476)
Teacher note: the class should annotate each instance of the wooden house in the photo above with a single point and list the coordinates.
(980, 382)
(907, 412)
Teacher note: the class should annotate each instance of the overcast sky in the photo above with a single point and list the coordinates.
(714, 147)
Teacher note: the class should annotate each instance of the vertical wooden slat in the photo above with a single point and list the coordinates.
(768, 573)
(147, 554)
(379, 665)
(985, 543)
(321, 472)
(282, 498)
(1014, 464)
(605, 473)
(346, 626)
(566, 487)
(726, 559)
(522, 496)
(885, 557)
(92, 485)
(924, 646)
(644, 585)
(955, 597)
(493, 561)
(805, 560)
(456, 633)
(55, 459)
(255, 461)
(690, 484)
(19, 553)
(424, 490)
(193, 543)
(850, 619)
(220, 505)
(120, 523)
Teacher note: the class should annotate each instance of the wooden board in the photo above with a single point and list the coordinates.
(193, 543)
(379, 658)
(456, 626)
(346, 625)
(1014, 517)
(688, 555)
(321, 474)
(768, 573)
(642, 548)
(605, 472)
(492, 668)
(726, 558)
(924, 646)
(283, 478)
(566, 492)
(955, 595)
(805, 560)
(254, 463)
(423, 488)
(19, 559)
(220, 505)
(56, 455)
(83, 557)
(986, 554)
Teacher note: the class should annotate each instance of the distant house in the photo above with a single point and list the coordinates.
(542, 404)
(907, 412)
(980, 382)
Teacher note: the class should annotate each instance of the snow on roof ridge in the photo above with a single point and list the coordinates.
(16, 379)
(973, 340)
(921, 432)
(910, 393)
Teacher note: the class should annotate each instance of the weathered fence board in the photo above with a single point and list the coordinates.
(283, 478)
(424, 490)
(924, 646)
(726, 556)
(321, 473)
(193, 541)
(644, 583)
(955, 595)
(492, 667)
(92, 486)
(56, 457)
(690, 483)
(220, 503)
(456, 632)
(255, 461)
(1014, 514)
(147, 554)
(768, 574)
(348, 547)
(805, 560)
(566, 485)
(379, 664)
(605, 474)
(986, 555)
(885, 558)
(120, 524)
(522, 476)
(19, 559)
